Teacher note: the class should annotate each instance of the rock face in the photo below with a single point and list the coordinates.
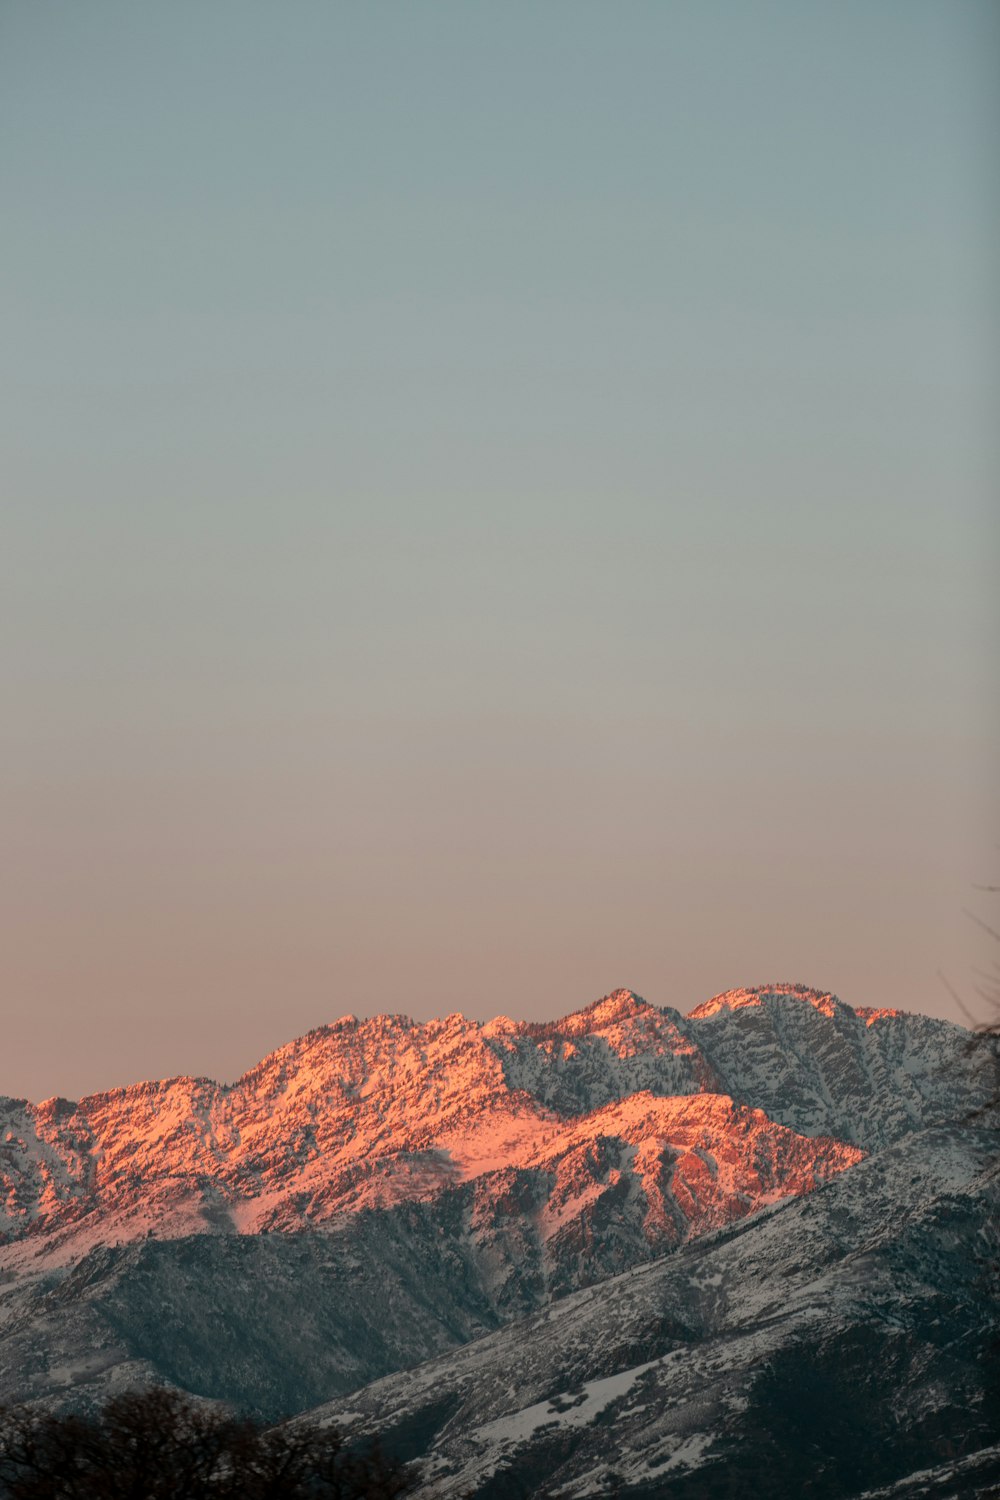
(380, 1192)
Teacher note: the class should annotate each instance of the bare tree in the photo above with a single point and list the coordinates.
(159, 1444)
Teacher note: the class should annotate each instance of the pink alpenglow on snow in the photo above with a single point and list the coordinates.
(676, 1124)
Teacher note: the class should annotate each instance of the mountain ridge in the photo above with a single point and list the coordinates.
(382, 1191)
(612, 1006)
(480, 1092)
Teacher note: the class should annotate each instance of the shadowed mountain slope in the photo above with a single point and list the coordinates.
(838, 1342)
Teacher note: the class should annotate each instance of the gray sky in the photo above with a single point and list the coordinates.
(496, 507)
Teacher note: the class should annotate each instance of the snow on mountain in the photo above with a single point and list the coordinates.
(838, 1342)
(810, 1061)
(415, 1269)
(380, 1191)
(371, 1112)
(869, 1076)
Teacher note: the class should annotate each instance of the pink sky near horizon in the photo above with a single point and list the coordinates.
(499, 506)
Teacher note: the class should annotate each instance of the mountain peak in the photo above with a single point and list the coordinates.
(761, 994)
(610, 1010)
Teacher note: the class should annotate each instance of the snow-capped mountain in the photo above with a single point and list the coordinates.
(369, 1113)
(381, 1192)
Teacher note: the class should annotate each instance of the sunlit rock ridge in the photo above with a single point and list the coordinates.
(709, 1110)
(380, 1190)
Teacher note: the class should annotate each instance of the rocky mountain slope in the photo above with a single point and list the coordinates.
(833, 1344)
(380, 1192)
(223, 1313)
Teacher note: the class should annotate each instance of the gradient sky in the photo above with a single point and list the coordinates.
(496, 507)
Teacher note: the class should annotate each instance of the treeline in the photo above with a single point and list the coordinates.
(160, 1445)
